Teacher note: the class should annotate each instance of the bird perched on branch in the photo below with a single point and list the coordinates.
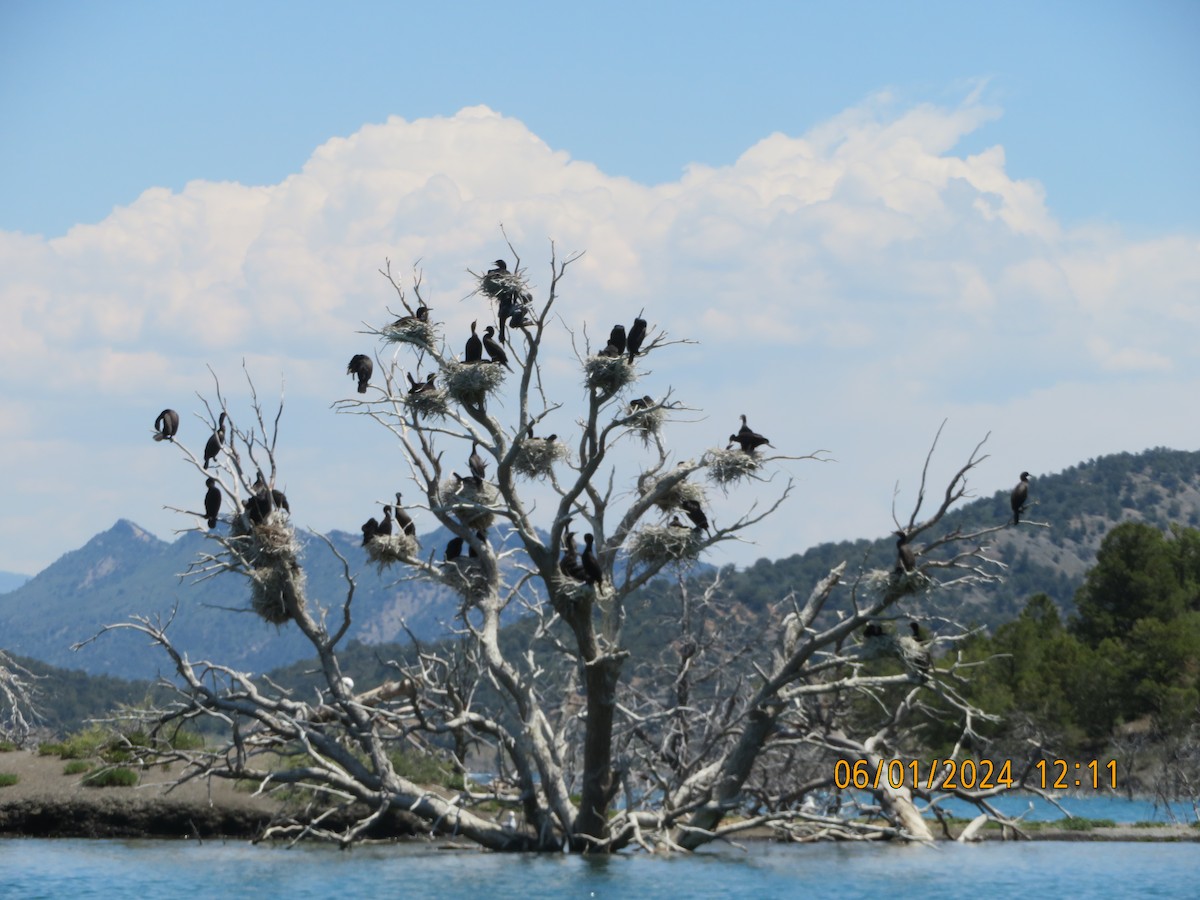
(906, 560)
(692, 510)
(1019, 497)
(569, 565)
(747, 438)
(265, 499)
(404, 520)
(166, 426)
(421, 315)
(637, 404)
(476, 463)
(361, 368)
(499, 267)
(637, 334)
(419, 387)
(370, 528)
(592, 573)
(474, 350)
(530, 436)
(494, 351)
(215, 441)
(453, 549)
(920, 651)
(385, 524)
(616, 342)
(212, 502)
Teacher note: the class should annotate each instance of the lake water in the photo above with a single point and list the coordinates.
(82, 869)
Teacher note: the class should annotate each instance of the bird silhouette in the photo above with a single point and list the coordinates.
(166, 426)
(385, 524)
(361, 368)
(476, 463)
(419, 387)
(692, 510)
(906, 560)
(494, 351)
(616, 339)
(592, 572)
(212, 502)
(637, 334)
(474, 350)
(1019, 497)
(404, 520)
(747, 438)
(215, 441)
(370, 528)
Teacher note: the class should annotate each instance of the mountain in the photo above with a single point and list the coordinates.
(126, 571)
(10, 581)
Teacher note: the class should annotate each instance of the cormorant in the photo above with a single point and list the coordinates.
(476, 462)
(637, 334)
(215, 442)
(474, 351)
(693, 511)
(921, 658)
(404, 520)
(370, 528)
(499, 267)
(592, 572)
(676, 523)
(166, 426)
(267, 498)
(421, 315)
(637, 404)
(385, 525)
(569, 565)
(1020, 494)
(454, 549)
(749, 439)
(361, 367)
(616, 339)
(906, 560)
(873, 630)
(494, 351)
(529, 435)
(212, 502)
(420, 387)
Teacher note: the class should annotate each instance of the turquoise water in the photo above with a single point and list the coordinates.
(152, 869)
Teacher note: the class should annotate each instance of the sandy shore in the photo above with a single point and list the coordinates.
(45, 802)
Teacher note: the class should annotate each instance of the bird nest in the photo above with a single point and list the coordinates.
(387, 549)
(470, 383)
(535, 457)
(270, 550)
(728, 467)
(568, 589)
(897, 581)
(430, 404)
(675, 496)
(500, 284)
(608, 374)
(469, 503)
(410, 331)
(465, 577)
(656, 545)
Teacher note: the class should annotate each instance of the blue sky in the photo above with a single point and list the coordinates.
(1010, 241)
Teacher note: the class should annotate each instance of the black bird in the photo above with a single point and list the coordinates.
(529, 435)
(421, 315)
(637, 334)
(404, 520)
(370, 528)
(212, 502)
(692, 509)
(499, 267)
(476, 463)
(361, 367)
(747, 438)
(494, 351)
(269, 499)
(675, 523)
(454, 549)
(921, 658)
(215, 442)
(385, 525)
(906, 560)
(420, 387)
(166, 426)
(592, 573)
(616, 339)
(873, 630)
(569, 565)
(637, 404)
(474, 351)
(1020, 494)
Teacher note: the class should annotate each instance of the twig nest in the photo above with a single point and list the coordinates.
(675, 496)
(570, 590)
(647, 423)
(728, 467)
(535, 457)
(469, 502)
(465, 577)
(608, 374)
(276, 590)
(430, 404)
(386, 549)
(504, 284)
(897, 581)
(410, 330)
(470, 383)
(660, 544)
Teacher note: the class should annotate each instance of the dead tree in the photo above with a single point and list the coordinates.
(18, 711)
(568, 731)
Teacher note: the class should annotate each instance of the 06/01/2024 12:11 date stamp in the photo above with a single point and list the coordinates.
(970, 774)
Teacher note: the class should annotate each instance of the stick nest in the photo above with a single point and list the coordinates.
(608, 374)
(465, 577)
(469, 504)
(675, 496)
(656, 545)
(536, 457)
(387, 549)
(430, 404)
(411, 331)
(727, 467)
(503, 284)
(271, 550)
(647, 423)
(470, 383)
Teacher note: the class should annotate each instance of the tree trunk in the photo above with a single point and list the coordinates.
(599, 780)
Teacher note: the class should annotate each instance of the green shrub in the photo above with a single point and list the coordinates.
(77, 767)
(8, 778)
(116, 777)
(49, 749)
(425, 768)
(7, 746)
(1078, 823)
